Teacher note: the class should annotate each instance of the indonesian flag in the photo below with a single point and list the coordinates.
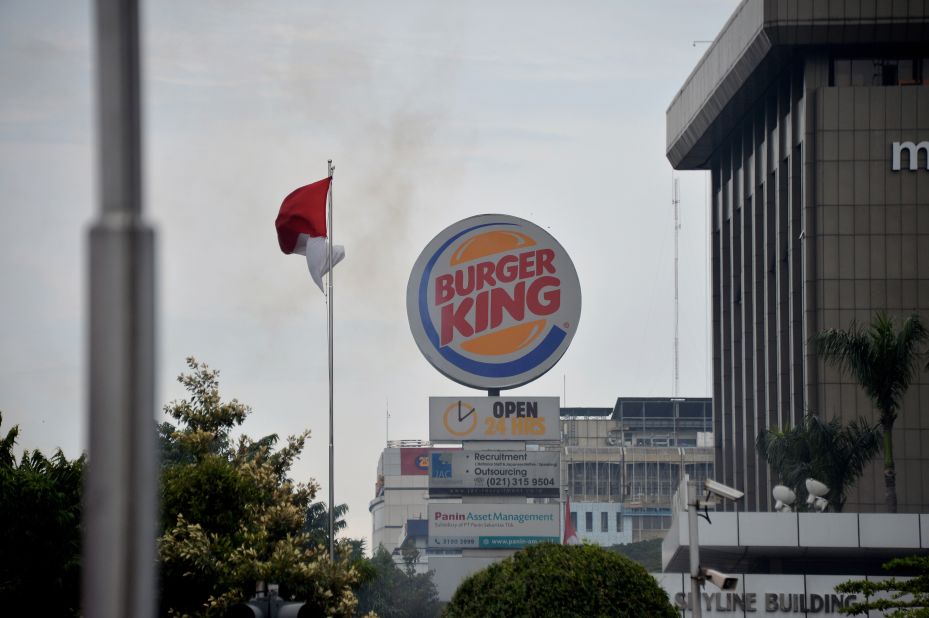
(570, 536)
(301, 228)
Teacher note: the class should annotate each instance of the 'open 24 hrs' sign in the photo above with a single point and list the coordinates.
(493, 418)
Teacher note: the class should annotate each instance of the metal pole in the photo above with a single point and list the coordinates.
(693, 504)
(119, 494)
(675, 200)
(331, 429)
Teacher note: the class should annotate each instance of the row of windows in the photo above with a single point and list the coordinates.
(643, 482)
(879, 71)
(604, 521)
(643, 523)
(664, 409)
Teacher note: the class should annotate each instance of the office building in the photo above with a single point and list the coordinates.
(813, 121)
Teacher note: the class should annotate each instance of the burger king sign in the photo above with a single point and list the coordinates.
(493, 301)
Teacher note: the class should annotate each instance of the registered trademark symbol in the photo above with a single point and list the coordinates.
(567, 324)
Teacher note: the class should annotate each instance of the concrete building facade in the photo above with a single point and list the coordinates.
(621, 465)
(813, 121)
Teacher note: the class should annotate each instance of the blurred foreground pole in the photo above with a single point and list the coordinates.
(119, 497)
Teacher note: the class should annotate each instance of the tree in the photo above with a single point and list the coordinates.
(232, 517)
(647, 553)
(316, 522)
(884, 362)
(825, 451)
(40, 531)
(895, 590)
(393, 593)
(561, 580)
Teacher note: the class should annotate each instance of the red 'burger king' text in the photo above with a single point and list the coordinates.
(473, 301)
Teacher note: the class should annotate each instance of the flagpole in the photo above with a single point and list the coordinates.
(331, 431)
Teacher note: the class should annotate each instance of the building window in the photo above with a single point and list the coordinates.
(604, 522)
(619, 522)
(574, 520)
(876, 72)
(589, 521)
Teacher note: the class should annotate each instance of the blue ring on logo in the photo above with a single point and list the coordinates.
(487, 370)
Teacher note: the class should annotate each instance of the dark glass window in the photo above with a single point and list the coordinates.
(574, 520)
(691, 409)
(604, 522)
(906, 73)
(619, 522)
(863, 72)
(876, 72)
(658, 409)
(589, 521)
(842, 72)
(630, 408)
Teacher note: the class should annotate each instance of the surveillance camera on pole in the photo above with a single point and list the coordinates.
(698, 574)
(720, 580)
(723, 491)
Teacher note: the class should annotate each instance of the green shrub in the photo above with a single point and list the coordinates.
(561, 580)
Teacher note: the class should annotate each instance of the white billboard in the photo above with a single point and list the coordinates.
(494, 473)
(532, 419)
(493, 526)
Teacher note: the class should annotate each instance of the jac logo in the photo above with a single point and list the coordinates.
(493, 301)
(912, 150)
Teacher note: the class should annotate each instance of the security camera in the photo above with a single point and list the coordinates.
(815, 488)
(785, 497)
(721, 580)
(723, 491)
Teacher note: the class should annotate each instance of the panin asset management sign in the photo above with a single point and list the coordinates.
(493, 301)
(493, 526)
(529, 419)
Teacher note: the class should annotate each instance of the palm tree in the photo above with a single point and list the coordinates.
(826, 451)
(884, 361)
(316, 522)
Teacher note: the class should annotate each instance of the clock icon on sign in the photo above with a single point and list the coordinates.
(460, 418)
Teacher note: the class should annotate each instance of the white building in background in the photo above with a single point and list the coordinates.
(401, 491)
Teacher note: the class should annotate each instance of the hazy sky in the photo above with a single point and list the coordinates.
(432, 112)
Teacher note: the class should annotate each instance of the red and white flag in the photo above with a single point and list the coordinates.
(570, 535)
(301, 228)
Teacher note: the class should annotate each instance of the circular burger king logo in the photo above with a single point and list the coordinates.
(493, 301)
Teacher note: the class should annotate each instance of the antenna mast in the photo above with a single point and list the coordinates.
(675, 201)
